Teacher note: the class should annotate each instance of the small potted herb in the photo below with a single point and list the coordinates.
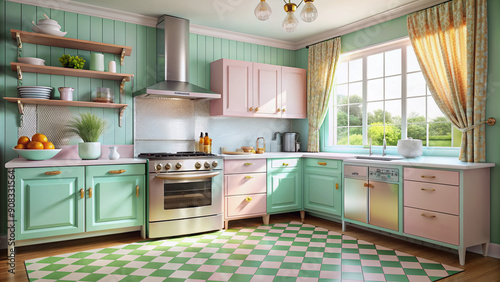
(89, 127)
(74, 62)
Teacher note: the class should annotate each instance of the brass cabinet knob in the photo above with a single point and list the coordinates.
(248, 177)
(284, 110)
(336, 186)
(257, 109)
(82, 193)
(250, 109)
(279, 110)
(137, 191)
(56, 172)
(120, 171)
(322, 163)
(248, 199)
(90, 192)
(425, 176)
(248, 164)
(285, 164)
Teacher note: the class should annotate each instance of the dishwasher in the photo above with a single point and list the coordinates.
(371, 195)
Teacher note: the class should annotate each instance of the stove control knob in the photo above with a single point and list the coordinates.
(168, 166)
(207, 165)
(215, 164)
(158, 167)
(197, 165)
(178, 165)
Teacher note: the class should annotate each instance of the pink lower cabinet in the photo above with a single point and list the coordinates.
(448, 208)
(245, 189)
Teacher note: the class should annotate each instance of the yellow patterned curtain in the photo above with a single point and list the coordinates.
(451, 43)
(323, 58)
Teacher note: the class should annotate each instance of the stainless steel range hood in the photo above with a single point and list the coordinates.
(172, 48)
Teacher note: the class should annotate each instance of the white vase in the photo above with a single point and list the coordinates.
(113, 153)
(89, 150)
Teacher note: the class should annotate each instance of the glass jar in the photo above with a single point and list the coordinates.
(103, 95)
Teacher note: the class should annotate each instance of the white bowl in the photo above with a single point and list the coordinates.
(51, 26)
(48, 21)
(48, 31)
(31, 61)
(410, 148)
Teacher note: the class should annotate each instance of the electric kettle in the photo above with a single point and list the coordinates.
(289, 141)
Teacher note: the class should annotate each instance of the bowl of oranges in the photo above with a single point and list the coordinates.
(38, 148)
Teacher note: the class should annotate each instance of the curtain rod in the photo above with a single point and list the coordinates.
(307, 47)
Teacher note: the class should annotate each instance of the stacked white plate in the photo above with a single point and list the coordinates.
(34, 92)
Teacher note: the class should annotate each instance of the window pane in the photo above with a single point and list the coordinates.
(341, 73)
(433, 112)
(392, 134)
(457, 137)
(415, 110)
(355, 136)
(355, 114)
(355, 92)
(375, 66)
(376, 133)
(375, 112)
(393, 62)
(393, 87)
(440, 134)
(375, 89)
(341, 93)
(415, 85)
(356, 70)
(342, 116)
(418, 131)
(411, 60)
(342, 136)
(393, 112)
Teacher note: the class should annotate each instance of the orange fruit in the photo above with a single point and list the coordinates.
(48, 145)
(20, 146)
(39, 138)
(23, 140)
(35, 145)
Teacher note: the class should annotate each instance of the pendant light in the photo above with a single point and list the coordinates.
(309, 13)
(262, 11)
(290, 22)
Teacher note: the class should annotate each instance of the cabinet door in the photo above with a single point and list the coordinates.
(293, 89)
(117, 198)
(384, 207)
(323, 192)
(48, 201)
(266, 90)
(284, 191)
(355, 200)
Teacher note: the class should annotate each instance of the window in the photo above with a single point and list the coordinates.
(380, 93)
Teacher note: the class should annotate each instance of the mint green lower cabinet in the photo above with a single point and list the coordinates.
(115, 196)
(49, 201)
(323, 191)
(284, 187)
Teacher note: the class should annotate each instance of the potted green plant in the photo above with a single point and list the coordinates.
(89, 127)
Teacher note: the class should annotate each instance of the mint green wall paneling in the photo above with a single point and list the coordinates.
(240, 50)
(84, 87)
(255, 53)
(267, 54)
(261, 54)
(56, 81)
(193, 58)
(232, 50)
(209, 45)
(286, 58)
(302, 56)
(248, 52)
(202, 61)
(151, 56)
(28, 12)
(130, 67)
(225, 48)
(119, 39)
(96, 36)
(140, 79)
(71, 27)
(217, 49)
(119, 34)
(110, 115)
(492, 105)
(3, 69)
(274, 56)
(41, 50)
(292, 58)
(280, 56)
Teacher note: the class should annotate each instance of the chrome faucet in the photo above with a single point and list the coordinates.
(384, 147)
(370, 152)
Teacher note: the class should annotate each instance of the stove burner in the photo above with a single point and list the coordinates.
(173, 155)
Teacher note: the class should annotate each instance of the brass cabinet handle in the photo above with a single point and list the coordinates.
(248, 199)
(82, 193)
(322, 163)
(336, 186)
(427, 215)
(369, 185)
(248, 164)
(285, 164)
(284, 110)
(250, 109)
(427, 189)
(257, 109)
(137, 191)
(120, 171)
(55, 172)
(90, 192)
(248, 177)
(279, 110)
(424, 176)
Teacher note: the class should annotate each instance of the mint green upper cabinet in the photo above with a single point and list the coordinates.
(284, 185)
(49, 201)
(323, 186)
(115, 196)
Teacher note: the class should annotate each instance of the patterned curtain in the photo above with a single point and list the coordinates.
(323, 58)
(451, 43)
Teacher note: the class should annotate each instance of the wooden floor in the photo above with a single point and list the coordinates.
(477, 268)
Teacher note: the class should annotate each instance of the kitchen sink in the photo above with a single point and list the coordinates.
(378, 158)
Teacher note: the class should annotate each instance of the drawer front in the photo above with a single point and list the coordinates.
(434, 197)
(116, 170)
(240, 184)
(432, 176)
(245, 205)
(323, 163)
(354, 171)
(244, 166)
(432, 225)
(284, 163)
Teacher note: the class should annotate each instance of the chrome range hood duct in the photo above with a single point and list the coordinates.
(172, 48)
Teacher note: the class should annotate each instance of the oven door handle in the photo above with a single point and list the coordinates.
(187, 176)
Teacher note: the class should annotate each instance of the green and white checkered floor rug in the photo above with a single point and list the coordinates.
(278, 252)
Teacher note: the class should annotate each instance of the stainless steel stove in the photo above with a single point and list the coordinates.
(185, 193)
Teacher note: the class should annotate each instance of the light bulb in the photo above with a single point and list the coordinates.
(309, 13)
(262, 11)
(290, 22)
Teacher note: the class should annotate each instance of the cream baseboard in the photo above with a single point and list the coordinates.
(493, 250)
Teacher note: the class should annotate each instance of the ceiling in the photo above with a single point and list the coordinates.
(238, 15)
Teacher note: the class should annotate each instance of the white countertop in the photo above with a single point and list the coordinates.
(424, 161)
(21, 162)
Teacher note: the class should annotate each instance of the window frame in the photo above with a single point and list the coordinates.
(363, 149)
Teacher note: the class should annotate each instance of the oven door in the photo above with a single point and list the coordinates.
(184, 195)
